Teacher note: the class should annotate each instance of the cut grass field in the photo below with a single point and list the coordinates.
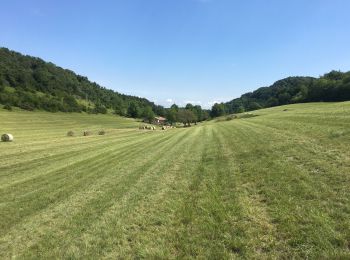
(276, 185)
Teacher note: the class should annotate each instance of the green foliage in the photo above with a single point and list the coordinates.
(42, 85)
(334, 86)
(175, 107)
(133, 110)
(218, 110)
(171, 114)
(148, 114)
(7, 107)
(100, 109)
(186, 117)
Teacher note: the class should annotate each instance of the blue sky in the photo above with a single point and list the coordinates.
(198, 51)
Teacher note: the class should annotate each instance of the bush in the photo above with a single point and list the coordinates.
(27, 106)
(70, 133)
(102, 132)
(8, 107)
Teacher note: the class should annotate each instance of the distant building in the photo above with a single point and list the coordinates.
(160, 120)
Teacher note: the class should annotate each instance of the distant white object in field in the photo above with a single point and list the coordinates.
(7, 138)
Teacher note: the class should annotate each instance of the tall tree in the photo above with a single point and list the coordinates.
(148, 114)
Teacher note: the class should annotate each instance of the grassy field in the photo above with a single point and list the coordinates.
(276, 185)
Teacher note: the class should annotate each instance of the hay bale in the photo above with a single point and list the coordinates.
(7, 138)
(87, 133)
(102, 132)
(70, 133)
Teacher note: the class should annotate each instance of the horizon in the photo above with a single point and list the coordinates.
(137, 48)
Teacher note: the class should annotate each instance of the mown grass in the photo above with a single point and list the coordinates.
(271, 186)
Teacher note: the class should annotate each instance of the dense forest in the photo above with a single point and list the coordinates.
(31, 83)
(333, 86)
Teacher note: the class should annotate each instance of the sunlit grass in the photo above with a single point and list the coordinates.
(271, 186)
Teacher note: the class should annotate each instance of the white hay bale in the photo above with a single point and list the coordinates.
(70, 133)
(7, 138)
(87, 133)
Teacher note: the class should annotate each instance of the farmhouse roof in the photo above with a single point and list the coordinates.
(160, 118)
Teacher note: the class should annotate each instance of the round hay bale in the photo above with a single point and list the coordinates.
(102, 132)
(87, 133)
(70, 133)
(7, 138)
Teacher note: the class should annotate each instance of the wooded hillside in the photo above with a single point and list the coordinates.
(31, 83)
(333, 86)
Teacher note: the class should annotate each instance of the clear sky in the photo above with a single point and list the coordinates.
(198, 51)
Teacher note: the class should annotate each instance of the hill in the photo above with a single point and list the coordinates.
(333, 86)
(272, 186)
(31, 83)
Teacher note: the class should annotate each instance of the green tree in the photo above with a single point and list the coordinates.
(218, 110)
(133, 110)
(100, 109)
(174, 107)
(171, 115)
(186, 117)
(148, 114)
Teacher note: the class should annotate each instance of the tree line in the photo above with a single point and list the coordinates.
(332, 86)
(31, 83)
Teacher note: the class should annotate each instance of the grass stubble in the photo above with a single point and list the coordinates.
(275, 185)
